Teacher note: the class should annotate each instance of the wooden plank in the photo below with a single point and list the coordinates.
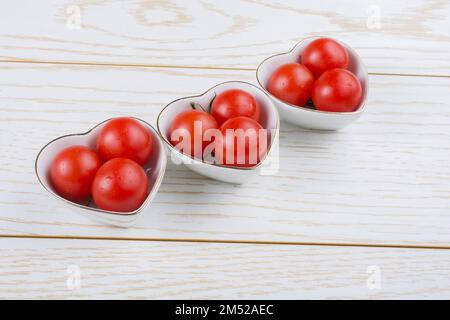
(86, 269)
(392, 37)
(382, 180)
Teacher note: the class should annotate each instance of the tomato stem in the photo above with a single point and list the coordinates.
(196, 106)
(210, 104)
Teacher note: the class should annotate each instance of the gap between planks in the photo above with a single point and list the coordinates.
(137, 65)
(256, 242)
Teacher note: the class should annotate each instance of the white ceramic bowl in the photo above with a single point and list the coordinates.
(309, 118)
(269, 120)
(154, 168)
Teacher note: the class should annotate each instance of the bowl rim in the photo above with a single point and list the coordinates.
(259, 164)
(364, 97)
(115, 213)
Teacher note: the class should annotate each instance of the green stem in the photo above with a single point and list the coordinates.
(196, 106)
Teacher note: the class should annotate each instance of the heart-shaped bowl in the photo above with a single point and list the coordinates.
(154, 169)
(238, 175)
(306, 117)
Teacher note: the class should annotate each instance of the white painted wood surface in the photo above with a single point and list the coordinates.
(391, 36)
(35, 268)
(382, 180)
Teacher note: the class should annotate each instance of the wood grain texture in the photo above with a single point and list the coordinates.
(34, 269)
(383, 180)
(410, 37)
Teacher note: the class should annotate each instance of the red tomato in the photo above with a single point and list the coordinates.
(120, 185)
(337, 90)
(245, 148)
(187, 130)
(324, 54)
(126, 138)
(291, 83)
(72, 172)
(234, 103)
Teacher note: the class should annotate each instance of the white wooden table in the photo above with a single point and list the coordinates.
(360, 213)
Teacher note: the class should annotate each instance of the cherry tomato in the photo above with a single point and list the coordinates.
(187, 131)
(120, 185)
(241, 149)
(337, 90)
(291, 83)
(72, 172)
(126, 138)
(234, 103)
(324, 54)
